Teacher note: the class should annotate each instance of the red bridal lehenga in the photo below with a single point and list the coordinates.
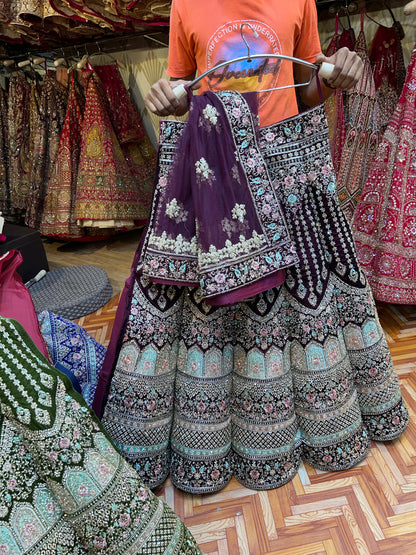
(130, 132)
(298, 371)
(384, 225)
(109, 189)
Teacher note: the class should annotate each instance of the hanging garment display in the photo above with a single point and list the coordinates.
(334, 105)
(58, 218)
(107, 194)
(361, 134)
(299, 371)
(5, 207)
(52, 110)
(64, 488)
(131, 134)
(123, 113)
(386, 57)
(384, 225)
(20, 174)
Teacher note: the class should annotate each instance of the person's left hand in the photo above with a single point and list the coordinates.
(348, 68)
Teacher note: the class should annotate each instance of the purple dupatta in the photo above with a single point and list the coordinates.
(216, 221)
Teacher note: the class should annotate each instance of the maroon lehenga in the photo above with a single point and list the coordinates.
(134, 142)
(362, 134)
(19, 141)
(52, 112)
(299, 371)
(384, 224)
(4, 156)
(58, 215)
(386, 57)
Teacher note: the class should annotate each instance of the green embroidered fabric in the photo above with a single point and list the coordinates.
(64, 488)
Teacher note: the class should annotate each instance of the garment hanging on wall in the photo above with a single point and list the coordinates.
(4, 155)
(386, 57)
(384, 224)
(300, 371)
(131, 134)
(19, 140)
(334, 105)
(58, 218)
(108, 194)
(123, 113)
(362, 133)
(52, 110)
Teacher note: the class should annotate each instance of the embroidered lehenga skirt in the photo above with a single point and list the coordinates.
(301, 371)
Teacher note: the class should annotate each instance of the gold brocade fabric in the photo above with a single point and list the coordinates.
(107, 187)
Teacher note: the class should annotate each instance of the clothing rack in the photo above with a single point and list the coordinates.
(101, 45)
(327, 9)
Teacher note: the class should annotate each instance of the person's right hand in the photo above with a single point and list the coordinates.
(162, 101)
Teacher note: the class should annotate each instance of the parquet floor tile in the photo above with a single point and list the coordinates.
(369, 509)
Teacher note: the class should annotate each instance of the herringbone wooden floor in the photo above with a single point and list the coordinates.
(369, 509)
(366, 510)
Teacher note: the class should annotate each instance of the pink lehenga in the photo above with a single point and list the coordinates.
(361, 137)
(384, 224)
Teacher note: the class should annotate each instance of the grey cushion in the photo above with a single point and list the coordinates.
(72, 292)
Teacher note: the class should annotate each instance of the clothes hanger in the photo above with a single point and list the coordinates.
(324, 70)
(376, 22)
(396, 23)
(86, 59)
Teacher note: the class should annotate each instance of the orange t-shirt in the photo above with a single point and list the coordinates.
(205, 33)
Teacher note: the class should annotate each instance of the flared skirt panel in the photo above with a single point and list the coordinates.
(302, 371)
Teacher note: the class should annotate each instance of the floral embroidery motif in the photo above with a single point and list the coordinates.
(238, 212)
(176, 211)
(94, 501)
(211, 114)
(202, 168)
